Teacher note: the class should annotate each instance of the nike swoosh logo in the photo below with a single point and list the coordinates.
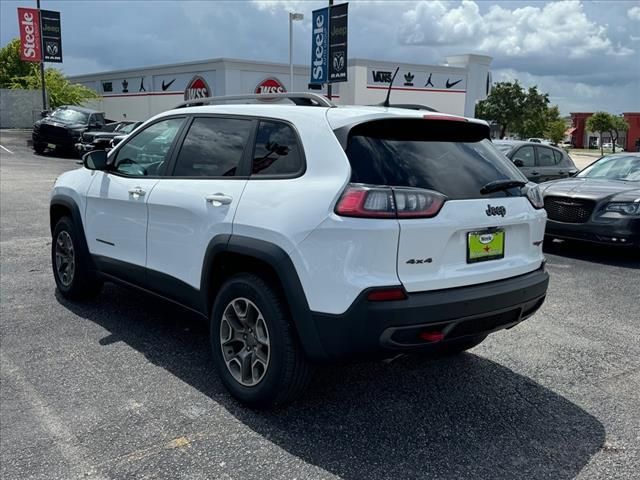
(449, 85)
(167, 85)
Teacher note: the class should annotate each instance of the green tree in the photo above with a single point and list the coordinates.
(535, 114)
(10, 64)
(503, 105)
(14, 73)
(60, 91)
(600, 122)
(618, 124)
(555, 131)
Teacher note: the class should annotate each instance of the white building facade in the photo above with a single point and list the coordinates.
(137, 94)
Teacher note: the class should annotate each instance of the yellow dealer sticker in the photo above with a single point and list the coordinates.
(485, 245)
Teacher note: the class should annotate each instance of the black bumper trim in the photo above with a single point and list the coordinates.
(384, 328)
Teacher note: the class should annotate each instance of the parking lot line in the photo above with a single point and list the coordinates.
(6, 149)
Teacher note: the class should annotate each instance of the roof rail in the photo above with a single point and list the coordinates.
(303, 98)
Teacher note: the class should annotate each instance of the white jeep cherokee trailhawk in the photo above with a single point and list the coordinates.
(306, 233)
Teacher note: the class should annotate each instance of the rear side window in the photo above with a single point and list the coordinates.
(452, 158)
(545, 157)
(558, 156)
(277, 150)
(213, 147)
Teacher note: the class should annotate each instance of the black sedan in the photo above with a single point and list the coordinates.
(538, 162)
(101, 139)
(601, 204)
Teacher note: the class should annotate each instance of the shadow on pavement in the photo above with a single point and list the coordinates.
(462, 417)
(602, 254)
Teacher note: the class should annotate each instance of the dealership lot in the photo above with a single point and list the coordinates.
(122, 386)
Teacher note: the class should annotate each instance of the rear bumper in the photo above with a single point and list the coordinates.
(625, 231)
(386, 328)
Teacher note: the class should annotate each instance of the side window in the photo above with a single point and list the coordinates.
(524, 157)
(557, 157)
(145, 153)
(213, 147)
(98, 118)
(545, 157)
(277, 150)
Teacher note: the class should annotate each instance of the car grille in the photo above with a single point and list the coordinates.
(568, 210)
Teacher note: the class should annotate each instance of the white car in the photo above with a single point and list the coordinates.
(308, 233)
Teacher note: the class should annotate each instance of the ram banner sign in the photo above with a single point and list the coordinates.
(51, 36)
(320, 46)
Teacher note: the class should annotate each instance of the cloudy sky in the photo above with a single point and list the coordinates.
(585, 54)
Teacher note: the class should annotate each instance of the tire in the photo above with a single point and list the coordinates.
(39, 148)
(279, 371)
(455, 347)
(73, 277)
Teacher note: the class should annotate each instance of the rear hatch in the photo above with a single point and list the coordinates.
(451, 234)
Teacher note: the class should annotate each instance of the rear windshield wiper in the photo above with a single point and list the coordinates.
(498, 185)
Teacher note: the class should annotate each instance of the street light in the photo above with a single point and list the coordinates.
(293, 17)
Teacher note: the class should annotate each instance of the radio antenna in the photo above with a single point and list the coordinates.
(386, 100)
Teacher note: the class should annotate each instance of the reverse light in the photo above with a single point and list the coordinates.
(625, 208)
(367, 201)
(431, 336)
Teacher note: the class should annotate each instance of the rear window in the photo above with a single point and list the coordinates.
(452, 158)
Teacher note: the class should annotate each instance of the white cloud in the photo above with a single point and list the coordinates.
(558, 28)
(634, 13)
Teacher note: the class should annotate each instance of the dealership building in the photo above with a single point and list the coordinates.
(138, 94)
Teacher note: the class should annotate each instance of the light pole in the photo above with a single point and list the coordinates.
(292, 18)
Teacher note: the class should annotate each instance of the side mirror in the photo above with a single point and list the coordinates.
(518, 163)
(95, 160)
(44, 113)
(573, 173)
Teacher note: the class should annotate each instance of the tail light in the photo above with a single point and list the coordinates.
(367, 201)
(532, 191)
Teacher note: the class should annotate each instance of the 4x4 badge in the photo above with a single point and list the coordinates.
(490, 211)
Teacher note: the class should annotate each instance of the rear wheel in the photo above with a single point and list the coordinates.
(71, 271)
(255, 348)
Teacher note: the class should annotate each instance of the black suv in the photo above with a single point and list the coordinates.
(64, 126)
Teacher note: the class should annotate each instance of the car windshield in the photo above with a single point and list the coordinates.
(68, 115)
(614, 167)
(127, 129)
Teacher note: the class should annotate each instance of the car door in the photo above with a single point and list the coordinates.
(525, 159)
(547, 164)
(116, 211)
(197, 202)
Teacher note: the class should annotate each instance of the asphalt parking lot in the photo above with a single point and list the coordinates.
(123, 387)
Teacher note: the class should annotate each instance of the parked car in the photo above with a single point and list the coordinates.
(601, 204)
(307, 233)
(539, 140)
(101, 139)
(64, 126)
(609, 146)
(539, 163)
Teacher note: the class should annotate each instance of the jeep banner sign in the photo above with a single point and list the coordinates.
(320, 46)
(51, 36)
(30, 43)
(197, 88)
(338, 43)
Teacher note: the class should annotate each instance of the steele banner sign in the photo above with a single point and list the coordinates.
(320, 46)
(30, 43)
(51, 36)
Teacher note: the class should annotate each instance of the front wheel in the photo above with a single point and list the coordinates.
(72, 274)
(255, 348)
(39, 148)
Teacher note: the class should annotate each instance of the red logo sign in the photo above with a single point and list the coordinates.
(270, 85)
(30, 43)
(197, 88)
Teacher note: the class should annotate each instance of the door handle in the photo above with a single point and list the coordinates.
(137, 192)
(218, 199)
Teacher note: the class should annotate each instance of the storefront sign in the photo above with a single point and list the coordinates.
(197, 88)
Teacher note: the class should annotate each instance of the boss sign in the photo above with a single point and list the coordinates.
(320, 46)
(30, 43)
